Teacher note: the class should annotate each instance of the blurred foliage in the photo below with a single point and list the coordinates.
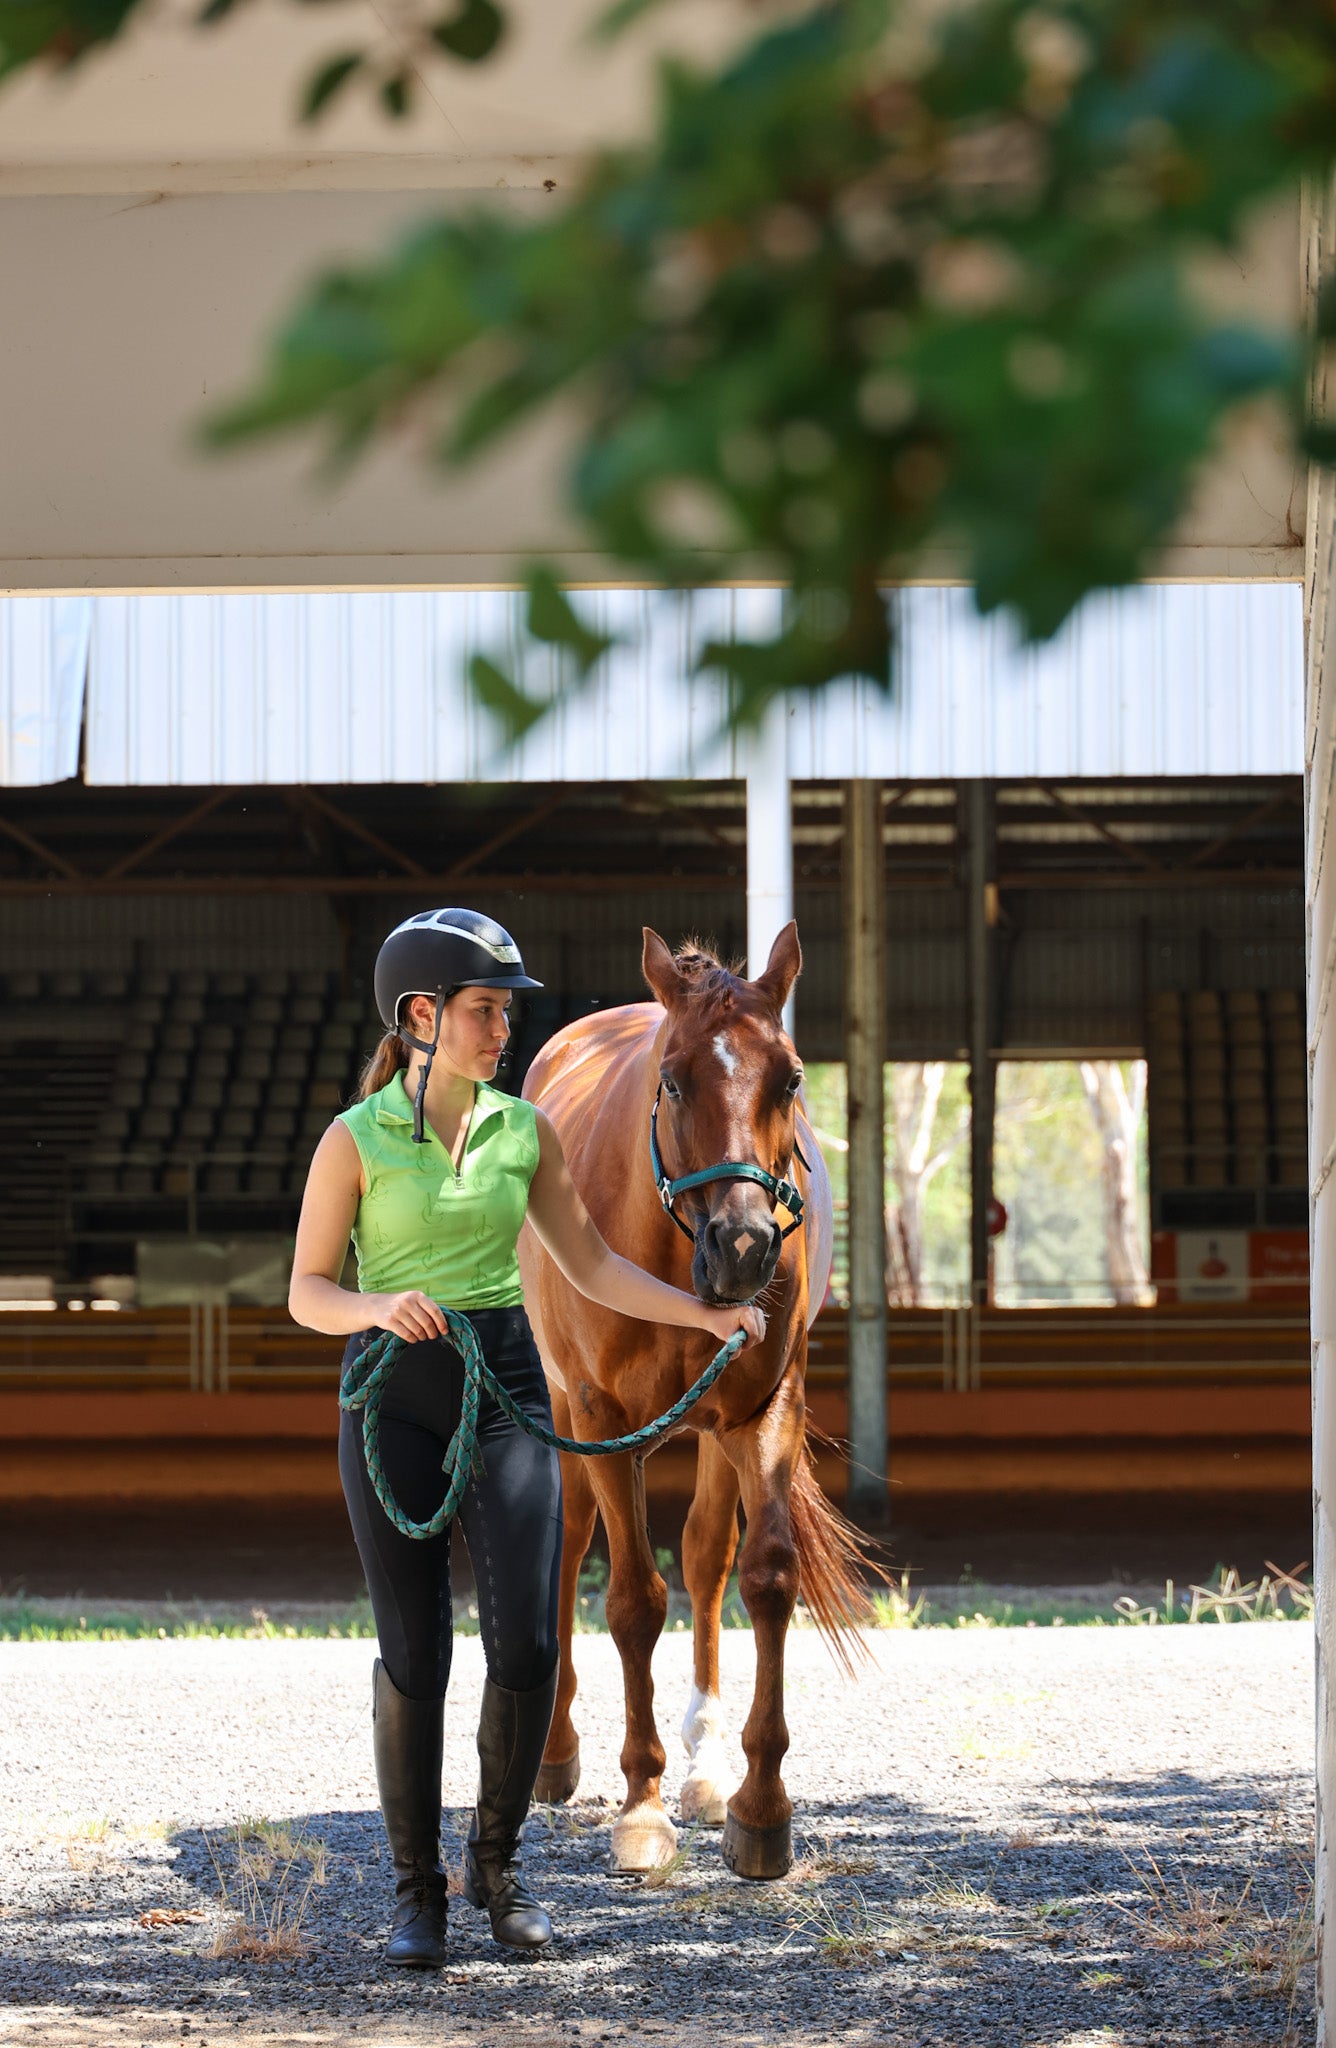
(946, 1202)
(60, 33)
(891, 279)
(1048, 1161)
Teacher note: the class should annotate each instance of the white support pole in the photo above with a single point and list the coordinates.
(769, 843)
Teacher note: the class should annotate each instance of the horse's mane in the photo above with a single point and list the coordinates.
(706, 974)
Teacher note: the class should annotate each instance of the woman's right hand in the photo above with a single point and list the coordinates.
(413, 1316)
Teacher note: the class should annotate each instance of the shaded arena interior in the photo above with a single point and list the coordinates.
(186, 1001)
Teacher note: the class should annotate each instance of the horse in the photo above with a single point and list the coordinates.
(706, 1079)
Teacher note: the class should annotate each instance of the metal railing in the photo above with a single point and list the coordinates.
(216, 1348)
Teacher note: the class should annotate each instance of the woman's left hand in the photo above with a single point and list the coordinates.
(723, 1322)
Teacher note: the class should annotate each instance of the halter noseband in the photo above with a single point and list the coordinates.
(783, 1192)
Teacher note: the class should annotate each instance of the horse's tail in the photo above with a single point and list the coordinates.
(835, 1562)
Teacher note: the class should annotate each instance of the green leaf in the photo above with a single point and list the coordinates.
(507, 703)
(552, 620)
(394, 93)
(619, 17)
(328, 80)
(473, 33)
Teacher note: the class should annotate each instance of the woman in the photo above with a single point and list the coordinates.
(432, 1173)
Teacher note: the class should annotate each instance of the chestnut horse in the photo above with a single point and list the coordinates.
(710, 1060)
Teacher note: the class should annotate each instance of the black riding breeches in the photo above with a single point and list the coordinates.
(510, 1517)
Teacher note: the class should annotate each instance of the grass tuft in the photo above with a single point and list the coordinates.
(267, 1897)
(664, 1873)
(846, 1932)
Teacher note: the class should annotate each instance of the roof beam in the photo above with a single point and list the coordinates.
(35, 846)
(1126, 847)
(1248, 823)
(514, 830)
(347, 823)
(169, 832)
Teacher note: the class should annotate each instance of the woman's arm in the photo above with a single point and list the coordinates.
(568, 1232)
(329, 1206)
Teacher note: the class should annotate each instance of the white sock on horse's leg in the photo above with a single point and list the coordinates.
(704, 1737)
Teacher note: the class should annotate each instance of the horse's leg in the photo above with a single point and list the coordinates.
(559, 1773)
(637, 1605)
(758, 1833)
(709, 1545)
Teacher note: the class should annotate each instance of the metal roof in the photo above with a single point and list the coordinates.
(1167, 679)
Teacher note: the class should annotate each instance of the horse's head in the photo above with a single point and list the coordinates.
(729, 1088)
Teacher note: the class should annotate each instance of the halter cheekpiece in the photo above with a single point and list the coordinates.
(783, 1192)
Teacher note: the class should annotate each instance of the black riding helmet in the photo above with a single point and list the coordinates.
(435, 953)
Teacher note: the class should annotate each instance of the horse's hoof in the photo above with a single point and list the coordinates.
(556, 1783)
(643, 1839)
(702, 1804)
(758, 1852)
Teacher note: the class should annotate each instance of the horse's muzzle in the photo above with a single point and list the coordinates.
(735, 1258)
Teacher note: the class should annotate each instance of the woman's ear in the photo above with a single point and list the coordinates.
(419, 1015)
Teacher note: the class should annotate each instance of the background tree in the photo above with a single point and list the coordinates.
(916, 1155)
(1117, 1104)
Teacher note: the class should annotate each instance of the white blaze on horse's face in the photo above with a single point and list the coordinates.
(725, 1055)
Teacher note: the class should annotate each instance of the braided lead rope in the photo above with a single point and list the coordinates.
(368, 1374)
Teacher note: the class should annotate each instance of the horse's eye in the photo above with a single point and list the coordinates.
(671, 1089)
(795, 1082)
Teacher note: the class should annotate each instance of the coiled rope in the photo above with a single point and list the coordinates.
(367, 1375)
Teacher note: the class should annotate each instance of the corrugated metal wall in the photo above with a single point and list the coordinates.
(1166, 679)
(43, 661)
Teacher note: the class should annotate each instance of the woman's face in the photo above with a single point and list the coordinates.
(475, 1025)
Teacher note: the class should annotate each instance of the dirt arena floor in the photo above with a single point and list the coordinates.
(1059, 1836)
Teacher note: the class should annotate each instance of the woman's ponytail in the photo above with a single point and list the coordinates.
(389, 1058)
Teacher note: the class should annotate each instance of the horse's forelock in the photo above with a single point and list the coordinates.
(705, 973)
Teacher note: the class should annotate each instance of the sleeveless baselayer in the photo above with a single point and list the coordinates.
(422, 1222)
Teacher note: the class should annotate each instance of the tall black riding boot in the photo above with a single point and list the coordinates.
(512, 1734)
(408, 1736)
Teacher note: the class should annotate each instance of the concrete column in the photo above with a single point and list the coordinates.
(982, 916)
(865, 1045)
(769, 843)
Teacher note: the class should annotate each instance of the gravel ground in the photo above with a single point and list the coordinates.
(976, 1820)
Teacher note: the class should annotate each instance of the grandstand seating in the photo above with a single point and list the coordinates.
(1227, 1077)
(200, 1099)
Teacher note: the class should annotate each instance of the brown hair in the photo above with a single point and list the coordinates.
(389, 1059)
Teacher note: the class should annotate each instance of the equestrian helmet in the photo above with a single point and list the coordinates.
(438, 951)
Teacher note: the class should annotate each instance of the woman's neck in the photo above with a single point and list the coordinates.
(449, 1095)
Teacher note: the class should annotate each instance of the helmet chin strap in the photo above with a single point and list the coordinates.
(421, 1045)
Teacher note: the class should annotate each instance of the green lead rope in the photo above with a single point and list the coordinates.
(367, 1376)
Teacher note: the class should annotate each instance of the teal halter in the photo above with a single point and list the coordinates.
(781, 1191)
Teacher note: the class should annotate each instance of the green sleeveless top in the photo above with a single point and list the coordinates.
(422, 1224)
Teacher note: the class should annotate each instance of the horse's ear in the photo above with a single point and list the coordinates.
(783, 967)
(659, 968)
